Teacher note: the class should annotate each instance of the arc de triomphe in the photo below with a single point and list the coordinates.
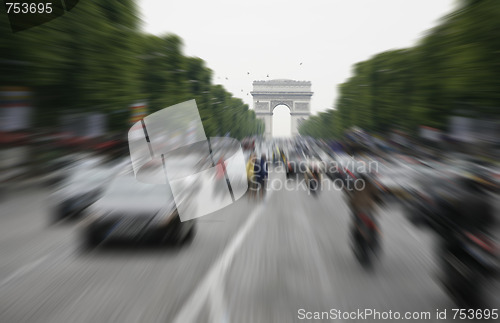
(296, 95)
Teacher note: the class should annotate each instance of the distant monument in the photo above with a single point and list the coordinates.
(296, 95)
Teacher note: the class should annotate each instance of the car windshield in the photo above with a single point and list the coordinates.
(127, 187)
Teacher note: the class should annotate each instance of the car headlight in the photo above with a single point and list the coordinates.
(166, 218)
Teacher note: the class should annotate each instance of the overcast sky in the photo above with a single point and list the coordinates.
(272, 37)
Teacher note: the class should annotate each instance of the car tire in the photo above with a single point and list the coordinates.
(90, 240)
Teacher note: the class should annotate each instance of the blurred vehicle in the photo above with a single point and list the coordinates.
(458, 211)
(295, 164)
(335, 168)
(313, 174)
(365, 238)
(483, 173)
(422, 207)
(131, 210)
(82, 185)
(417, 206)
(469, 261)
(365, 231)
(55, 171)
(396, 181)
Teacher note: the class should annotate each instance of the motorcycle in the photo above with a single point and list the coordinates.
(468, 263)
(365, 235)
(468, 255)
(313, 177)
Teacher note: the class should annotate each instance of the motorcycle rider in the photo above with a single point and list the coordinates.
(464, 206)
(362, 197)
(467, 206)
(261, 174)
(362, 193)
(312, 176)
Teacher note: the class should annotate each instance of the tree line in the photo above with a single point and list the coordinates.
(453, 70)
(95, 58)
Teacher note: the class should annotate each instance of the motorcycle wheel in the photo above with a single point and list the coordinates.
(361, 249)
(313, 185)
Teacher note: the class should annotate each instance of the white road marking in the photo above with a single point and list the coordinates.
(56, 255)
(213, 280)
(218, 311)
(24, 270)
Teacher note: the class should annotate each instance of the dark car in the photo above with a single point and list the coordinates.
(295, 164)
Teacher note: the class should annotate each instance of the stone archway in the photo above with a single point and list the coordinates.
(296, 95)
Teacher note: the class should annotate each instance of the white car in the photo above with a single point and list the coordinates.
(82, 186)
(135, 211)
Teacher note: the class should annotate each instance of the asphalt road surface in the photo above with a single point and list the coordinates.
(279, 259)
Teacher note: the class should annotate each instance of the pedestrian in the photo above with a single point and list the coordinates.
(260, 174)
(250, 173)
